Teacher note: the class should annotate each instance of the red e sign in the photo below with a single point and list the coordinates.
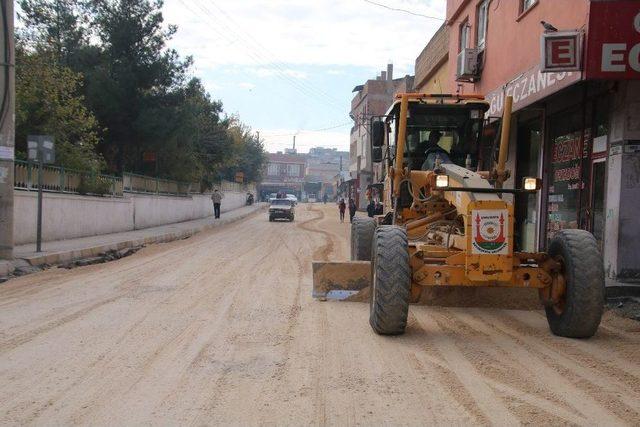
(560, 51)
(613, 40)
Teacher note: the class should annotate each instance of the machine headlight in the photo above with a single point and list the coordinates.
(442, 181)
(532, 184)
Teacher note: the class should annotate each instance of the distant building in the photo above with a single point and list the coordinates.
(284, 172)
(372, 99)
(323, 164)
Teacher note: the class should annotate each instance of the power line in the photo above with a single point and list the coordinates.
(278, 63)
(260, 58)
(404, 10)
(206, 13)
(308, 130)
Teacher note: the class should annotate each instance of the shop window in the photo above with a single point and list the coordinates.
(567, 148)
(483, 12)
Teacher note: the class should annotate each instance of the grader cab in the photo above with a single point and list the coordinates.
(448, 222)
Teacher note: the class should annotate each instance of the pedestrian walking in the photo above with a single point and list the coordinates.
(216, 198)
(371, 208)
(352, 210)
(342, 207)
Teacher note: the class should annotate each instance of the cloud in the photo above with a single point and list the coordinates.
(246, 85)
(321, 32)
(269, 72)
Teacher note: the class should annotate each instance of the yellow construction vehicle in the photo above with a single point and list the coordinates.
(448, 221)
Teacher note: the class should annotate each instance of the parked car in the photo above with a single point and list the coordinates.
(281, 209)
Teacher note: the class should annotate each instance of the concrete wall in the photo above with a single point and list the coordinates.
(621, 243)
(68, 216)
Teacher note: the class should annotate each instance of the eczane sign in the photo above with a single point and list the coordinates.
(613, 47)
(560, 51)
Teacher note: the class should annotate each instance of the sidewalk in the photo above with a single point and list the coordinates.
(62, 251)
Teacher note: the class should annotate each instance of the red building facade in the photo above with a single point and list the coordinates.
(577, 127)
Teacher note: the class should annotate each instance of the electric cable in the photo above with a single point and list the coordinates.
(260, 58)
(395, 9)
(277, 63)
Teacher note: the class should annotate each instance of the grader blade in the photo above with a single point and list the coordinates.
(340, 280)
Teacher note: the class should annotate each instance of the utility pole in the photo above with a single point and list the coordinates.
(7, 129)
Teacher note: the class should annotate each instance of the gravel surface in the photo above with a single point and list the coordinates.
(221, 329)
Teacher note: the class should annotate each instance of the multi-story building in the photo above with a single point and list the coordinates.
(323, 164)
(576, 124)
(372, 99)
(432, 65)
(284, 172)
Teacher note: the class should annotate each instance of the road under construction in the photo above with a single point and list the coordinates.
(222, 329)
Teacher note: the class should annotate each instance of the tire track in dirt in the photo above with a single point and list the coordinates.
(449, 378)
(323, 252)
(559, 371)
(499, 362)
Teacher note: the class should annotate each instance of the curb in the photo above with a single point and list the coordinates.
(88, 252)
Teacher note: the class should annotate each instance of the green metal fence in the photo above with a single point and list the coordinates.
(134, 183)
(64, 180)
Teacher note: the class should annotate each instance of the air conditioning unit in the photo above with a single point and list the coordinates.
(467, 65)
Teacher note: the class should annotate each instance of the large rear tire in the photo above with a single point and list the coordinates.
(578, 313)
(391, 281)
(362, 230)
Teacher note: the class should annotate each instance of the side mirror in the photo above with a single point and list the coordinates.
(376, 154)
(377, 134)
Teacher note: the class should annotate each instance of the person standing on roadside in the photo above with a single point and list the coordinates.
(371, 208)
(342, 207)
(352, 209)
(216, 198)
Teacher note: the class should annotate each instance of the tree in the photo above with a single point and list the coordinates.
(59, 26)
(248, 154)
(133, 91)
(48, 102)
(137, 89)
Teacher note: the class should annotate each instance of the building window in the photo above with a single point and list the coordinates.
(483, 11)
(526, 4)
(272, 169)
(464, 35)
(293, 170)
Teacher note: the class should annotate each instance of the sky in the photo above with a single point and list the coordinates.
(288, 67)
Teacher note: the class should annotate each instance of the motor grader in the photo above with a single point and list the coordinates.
(449, 221)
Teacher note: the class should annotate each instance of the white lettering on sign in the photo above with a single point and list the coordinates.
(613, 57)
(613, 54)
(527, 86)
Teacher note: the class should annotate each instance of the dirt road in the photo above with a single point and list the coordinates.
(221, 329)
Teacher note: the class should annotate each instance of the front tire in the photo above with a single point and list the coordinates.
(579, 312)
(362, 230)
(391, 281)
